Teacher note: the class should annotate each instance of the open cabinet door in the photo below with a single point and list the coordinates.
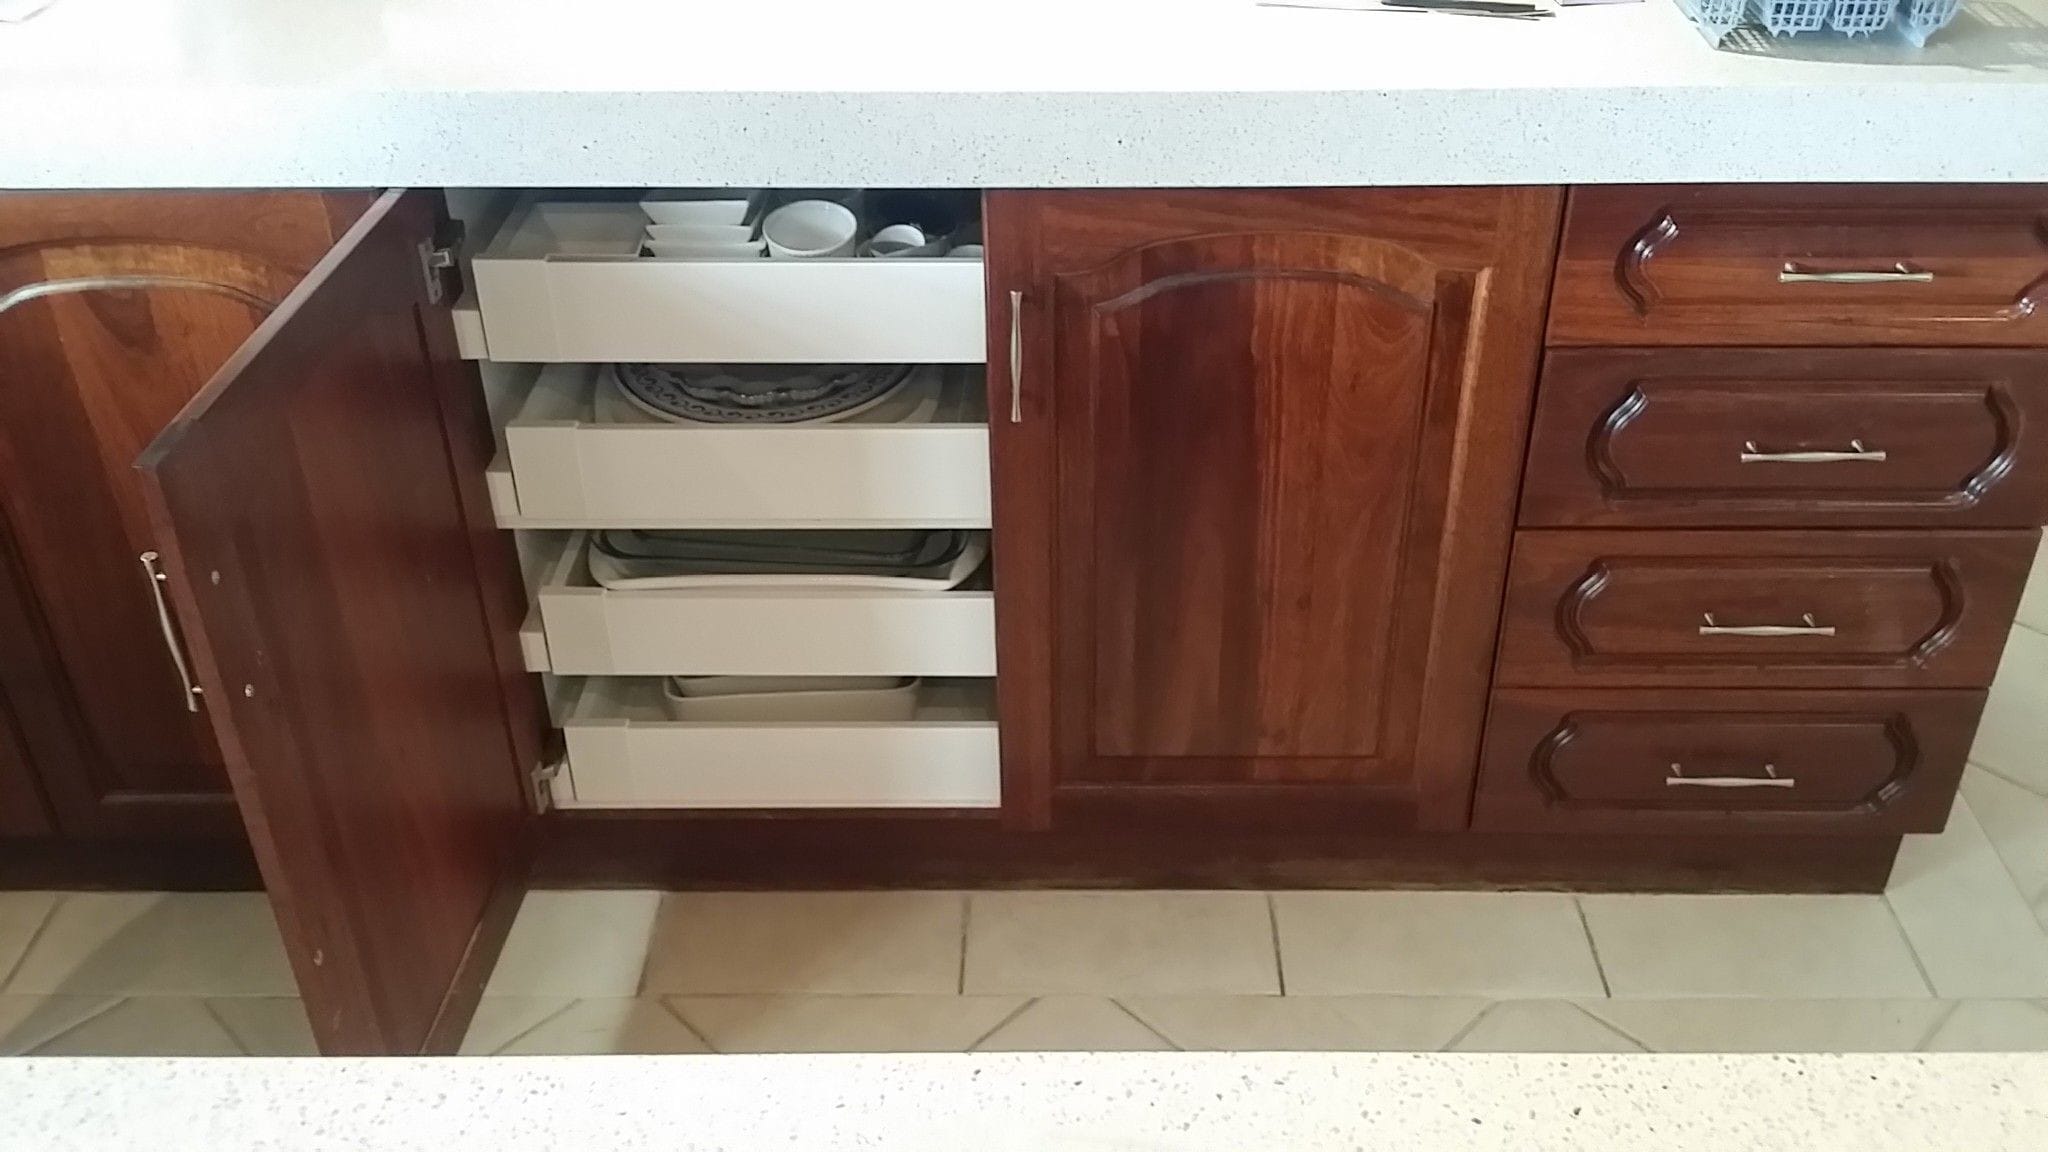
(314, 511)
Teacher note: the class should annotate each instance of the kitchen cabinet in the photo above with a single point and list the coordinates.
(321, 512)
(114, 309)
(1253, 492)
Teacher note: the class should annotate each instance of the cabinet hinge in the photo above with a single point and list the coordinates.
(541, 781)
(434, 262)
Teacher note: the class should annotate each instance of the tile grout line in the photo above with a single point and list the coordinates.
(2030, 899)
(536, 1026)
(1279, 965)
(966, 916)
(111, 1004)
(1941, 1020)
(2022, 785)
(235, 1038)
(668, 1006)
(1005, 1022)
(1588, 1014)
(1912, 949)
(1126, 1009)
(34, 936)
(1470, 1025)
(1599, 966)
(647, 953)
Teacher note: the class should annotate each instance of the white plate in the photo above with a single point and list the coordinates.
(698, 206)
(895, 701)
(627, 576)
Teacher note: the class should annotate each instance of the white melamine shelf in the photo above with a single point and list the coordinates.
(595, 631)
(625, 752)
(568, 466)
(561, 282)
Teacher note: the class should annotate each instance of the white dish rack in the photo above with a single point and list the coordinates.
(1913, 20)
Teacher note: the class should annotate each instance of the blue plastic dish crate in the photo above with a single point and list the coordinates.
(1915, 20)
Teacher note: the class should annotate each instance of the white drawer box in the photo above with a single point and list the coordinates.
(559, 282)
(595, 631)
(624, 752)
(572, 468)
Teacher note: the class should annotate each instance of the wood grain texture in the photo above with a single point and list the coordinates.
(1625, 609)
(1657, 438)
(1229, 555)
(315, 530)
(114, 310)
(726, 852)
(1700, 264)
(1858, 763)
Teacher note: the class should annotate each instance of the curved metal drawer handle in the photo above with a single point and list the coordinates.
(1770, 779)
(1806, 628)
(157, 579)
(1899, 273)
(1855, 453)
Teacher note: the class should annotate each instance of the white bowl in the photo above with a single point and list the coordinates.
(702, 233)
(698, 205)
(810, 229)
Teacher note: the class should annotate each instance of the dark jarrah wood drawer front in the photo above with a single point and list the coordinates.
(1761, 609)
(1853, 762)
(1803, 264)
(1702, 437)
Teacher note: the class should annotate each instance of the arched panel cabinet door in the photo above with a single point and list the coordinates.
(1254, 494)
(114, 309)
(351, 609)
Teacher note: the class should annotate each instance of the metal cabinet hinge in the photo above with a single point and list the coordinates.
(434, 261)
(541, 780)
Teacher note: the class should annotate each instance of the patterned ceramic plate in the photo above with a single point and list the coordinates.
(758, 394)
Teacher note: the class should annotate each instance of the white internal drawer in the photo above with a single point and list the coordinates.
(595, 631)
(561, 282)
(576, 466)
(624, 752)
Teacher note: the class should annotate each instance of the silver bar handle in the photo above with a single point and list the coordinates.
(1899, 273)
(1855, 453)
(1806, 628)
(157, 579)
(1770, 779)
(1016, 357)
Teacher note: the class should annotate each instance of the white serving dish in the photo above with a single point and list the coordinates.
(694, 250)
(626, 576)
(590, 630)
(625, 752)
(579, 456)
(543, 295)
(702, 233)
(698, 205)
(875, 699)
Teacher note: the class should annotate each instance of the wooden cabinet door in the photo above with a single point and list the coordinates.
(114, 310)
(1253, 494)
(316, 509)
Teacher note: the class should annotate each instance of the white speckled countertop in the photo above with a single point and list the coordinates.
(155, 93)
(1229, 1102)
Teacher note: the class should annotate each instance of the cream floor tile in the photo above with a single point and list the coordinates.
(1541, 1026)
(1787, 947)
(1491, 944)
(584, 944)
(621, 1026)
(21, 914)
(1307, 1023)
(1993, 1026)
(1120, 943)
(26, 1021)
(147, 1026)
(266, 1025)
(1976, 936)
(158, 944)
(2013, 735)
(807, 942)
(2016, 820)
(844, 1023)
(2034, 605)
(1073, 1024)
(499, 1020)
(1773, 1025)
